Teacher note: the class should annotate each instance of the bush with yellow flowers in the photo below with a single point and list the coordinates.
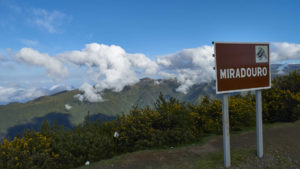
(32, 151)
(169, 123)
(207, 117)
(242, 112)
(280, 105)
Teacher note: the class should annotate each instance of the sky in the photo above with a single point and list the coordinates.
(49, 46)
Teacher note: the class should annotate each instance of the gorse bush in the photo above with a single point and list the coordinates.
(168, 123)
(31, 151)
(282, 102)
(280, 105)
(207, 117)
(290, 82)
(242, 112)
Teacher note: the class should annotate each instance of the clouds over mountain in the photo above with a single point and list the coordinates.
(189, 66)
(17, 94)
(111, 67)
(90, 93)
(11, 94)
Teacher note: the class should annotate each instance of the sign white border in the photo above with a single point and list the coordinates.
(247, 89)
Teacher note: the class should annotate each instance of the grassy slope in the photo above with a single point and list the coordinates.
(281, 150)
(143, 93)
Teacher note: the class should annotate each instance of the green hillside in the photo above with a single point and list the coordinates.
(16, 116)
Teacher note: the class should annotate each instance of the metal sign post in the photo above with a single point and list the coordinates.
(226, 136)
(259, 134)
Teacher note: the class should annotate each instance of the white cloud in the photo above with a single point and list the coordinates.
(54, 67)
(281, 69)
(51, 21)
(28, 42)
(189, 66)
(58, 88)
(80, 97)
(166, 75)
(89, 93)
(110, 66)
(157, 82)
(11, 94)
(141, 61)
(284, 51)
(19, 94)
(68, 107)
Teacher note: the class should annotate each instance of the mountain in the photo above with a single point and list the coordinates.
(283, 69)
(69, 111)
(19, 94)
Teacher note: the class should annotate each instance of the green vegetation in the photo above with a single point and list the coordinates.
(169, 123)
(281, 103)
(215, 159)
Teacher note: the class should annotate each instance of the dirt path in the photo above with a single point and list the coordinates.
(281, 150)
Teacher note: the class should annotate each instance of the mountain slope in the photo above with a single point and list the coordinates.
(16, 116)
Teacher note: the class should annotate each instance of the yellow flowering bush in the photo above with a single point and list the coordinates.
(31, 151)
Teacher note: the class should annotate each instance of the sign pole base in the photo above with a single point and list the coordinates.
(226, 137)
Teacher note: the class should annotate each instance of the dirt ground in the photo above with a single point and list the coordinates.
(281, 150)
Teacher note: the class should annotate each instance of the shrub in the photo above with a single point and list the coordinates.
(280, 106)
(31, 151)
(207, 117)
(241, 112)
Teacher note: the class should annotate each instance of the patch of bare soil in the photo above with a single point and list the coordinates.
(281, 147)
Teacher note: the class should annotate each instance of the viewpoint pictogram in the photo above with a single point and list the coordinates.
(261, 54)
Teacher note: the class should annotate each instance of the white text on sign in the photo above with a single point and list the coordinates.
(232, 73)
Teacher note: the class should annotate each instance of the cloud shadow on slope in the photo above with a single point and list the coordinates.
(60, 118)
(36, 123)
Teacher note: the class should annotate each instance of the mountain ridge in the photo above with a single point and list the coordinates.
(145, 92)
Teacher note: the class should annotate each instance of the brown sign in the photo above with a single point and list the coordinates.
(242, 66)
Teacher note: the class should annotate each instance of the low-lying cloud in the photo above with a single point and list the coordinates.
(110, 67)
(17, 94)
(89, 93)
(189, 66)
(68, 107)
(11, 94)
